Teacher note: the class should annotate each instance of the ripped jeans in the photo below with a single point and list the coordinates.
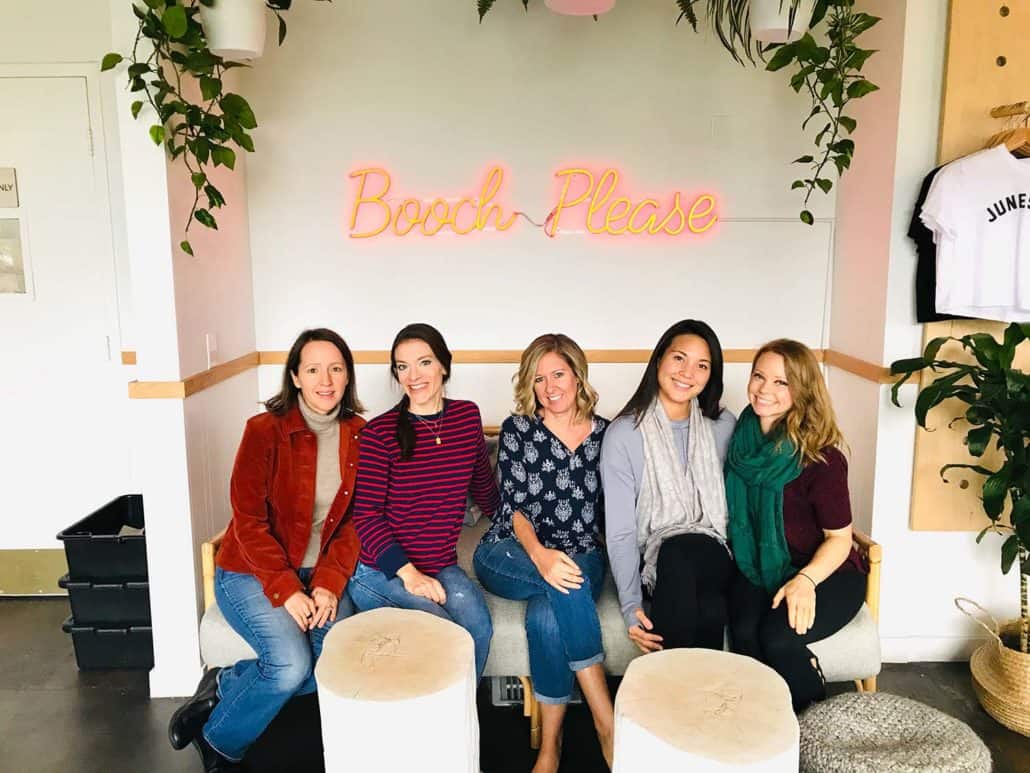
(370, 589)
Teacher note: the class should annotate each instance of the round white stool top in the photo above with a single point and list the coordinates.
(393, 655)
(713, 705)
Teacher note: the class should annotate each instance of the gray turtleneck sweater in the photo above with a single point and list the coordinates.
(327, 473)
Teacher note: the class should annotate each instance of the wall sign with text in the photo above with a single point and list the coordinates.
(8, 187)
(585, 201)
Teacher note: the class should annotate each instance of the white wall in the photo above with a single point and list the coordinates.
(64, 386)
(923, 571)
(184, 448)
(426, 91)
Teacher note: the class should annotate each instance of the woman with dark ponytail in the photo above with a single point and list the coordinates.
(418, 461)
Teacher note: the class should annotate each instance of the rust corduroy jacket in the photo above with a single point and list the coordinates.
(272, 493)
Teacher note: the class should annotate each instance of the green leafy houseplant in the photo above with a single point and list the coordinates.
(998, 400)
(170, 50)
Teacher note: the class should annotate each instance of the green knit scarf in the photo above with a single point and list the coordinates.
(757, 469)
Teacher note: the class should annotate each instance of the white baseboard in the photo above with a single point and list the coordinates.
(174, 682)
(909, 649)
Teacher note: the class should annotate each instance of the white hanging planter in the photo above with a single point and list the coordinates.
(770, 20)
(580, 7)
(235, 29)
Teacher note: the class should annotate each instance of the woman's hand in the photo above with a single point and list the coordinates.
(558, 570)
(799, 593)
(325, 607)
(646, 642)
(301, 609)
(423, 585)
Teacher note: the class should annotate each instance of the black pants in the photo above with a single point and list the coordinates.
(688, 605)
(765, 634)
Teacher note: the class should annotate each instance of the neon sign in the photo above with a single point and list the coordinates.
(595, 198)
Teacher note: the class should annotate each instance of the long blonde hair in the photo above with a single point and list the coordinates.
(526, 403)
(810, 424)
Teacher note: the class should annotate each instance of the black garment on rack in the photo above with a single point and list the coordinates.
(926, 260)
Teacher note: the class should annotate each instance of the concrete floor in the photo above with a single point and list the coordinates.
(56, 719)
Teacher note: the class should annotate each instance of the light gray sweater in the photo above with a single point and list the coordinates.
(622, 471)
(327, 473)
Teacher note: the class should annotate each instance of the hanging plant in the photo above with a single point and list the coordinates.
(200, 131)
(831, 75)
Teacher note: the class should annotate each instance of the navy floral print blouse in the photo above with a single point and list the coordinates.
(557, 490)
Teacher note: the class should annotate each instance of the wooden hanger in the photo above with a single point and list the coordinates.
(1016, 140)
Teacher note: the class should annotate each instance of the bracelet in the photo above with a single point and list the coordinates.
(814, 584)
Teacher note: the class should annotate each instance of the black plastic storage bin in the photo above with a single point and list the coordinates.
(97, 551)
(94, 603)
(98, 647)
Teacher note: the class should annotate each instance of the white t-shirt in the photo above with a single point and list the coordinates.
(979, 211)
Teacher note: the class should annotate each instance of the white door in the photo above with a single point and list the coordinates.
(63, 449)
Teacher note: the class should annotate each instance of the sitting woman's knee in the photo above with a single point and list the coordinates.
(287, 674)
(778, 640)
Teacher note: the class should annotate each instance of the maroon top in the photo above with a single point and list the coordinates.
(818, 499)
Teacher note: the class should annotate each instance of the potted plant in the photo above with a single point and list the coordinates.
(235, 28)
(170, 62)
(580, 7)
(981, 375)
(780, 21)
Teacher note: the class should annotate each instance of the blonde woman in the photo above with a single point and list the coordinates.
(790, 520)
(544, 546)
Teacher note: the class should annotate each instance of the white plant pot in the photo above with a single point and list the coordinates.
(235, 29)
(580, 7)
(770, 20)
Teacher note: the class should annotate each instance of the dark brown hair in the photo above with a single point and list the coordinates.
(647, 391)
(287, 398)
(416, 331)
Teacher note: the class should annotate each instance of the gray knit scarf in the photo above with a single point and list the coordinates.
(677, 499)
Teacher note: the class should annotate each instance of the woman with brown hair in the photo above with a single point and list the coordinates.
(790, 520)
(288, 552)
(544, 546)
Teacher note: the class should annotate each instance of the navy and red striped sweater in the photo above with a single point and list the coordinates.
(413, 510)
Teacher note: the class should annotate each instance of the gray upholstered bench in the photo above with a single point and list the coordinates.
(852, 654)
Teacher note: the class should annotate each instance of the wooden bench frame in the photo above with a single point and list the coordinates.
(867, 548)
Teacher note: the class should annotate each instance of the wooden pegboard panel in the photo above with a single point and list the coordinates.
(988, 64)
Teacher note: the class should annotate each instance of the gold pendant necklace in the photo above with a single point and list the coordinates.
(433, 427)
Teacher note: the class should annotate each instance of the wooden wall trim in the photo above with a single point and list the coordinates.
(179, 390)
(128, 358)
(861, 368)
(198, 382)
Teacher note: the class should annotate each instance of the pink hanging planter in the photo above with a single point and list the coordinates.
(580, 7)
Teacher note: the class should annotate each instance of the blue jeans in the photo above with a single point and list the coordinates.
(252, 691)
(562, 630)
(370, 589)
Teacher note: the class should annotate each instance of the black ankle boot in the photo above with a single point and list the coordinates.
(213, 761)
(189, 718)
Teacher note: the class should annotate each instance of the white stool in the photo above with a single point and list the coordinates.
(703, 710)
(397, 691)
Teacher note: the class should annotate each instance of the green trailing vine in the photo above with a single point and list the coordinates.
(170, 51)
(831, 75)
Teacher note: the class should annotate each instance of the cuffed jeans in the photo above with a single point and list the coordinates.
(370, 589)
(252, 691)
(562, 630)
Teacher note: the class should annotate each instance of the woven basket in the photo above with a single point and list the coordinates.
(1001, 675)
